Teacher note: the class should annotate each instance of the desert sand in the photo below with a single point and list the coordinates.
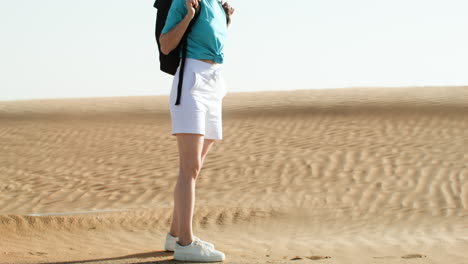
(342, 176)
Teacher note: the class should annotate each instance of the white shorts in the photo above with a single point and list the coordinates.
(200, 108)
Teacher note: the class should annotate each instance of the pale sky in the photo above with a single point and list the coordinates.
(89, 48)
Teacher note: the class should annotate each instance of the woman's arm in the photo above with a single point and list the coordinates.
(171, 39)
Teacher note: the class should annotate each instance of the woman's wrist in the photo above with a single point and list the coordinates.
(189, 17)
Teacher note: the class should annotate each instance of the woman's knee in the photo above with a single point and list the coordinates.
(191, 168)
(190, 148)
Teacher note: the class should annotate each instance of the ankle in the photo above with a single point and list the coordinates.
(184, 242)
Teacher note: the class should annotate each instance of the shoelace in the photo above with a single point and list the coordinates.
(203, 245)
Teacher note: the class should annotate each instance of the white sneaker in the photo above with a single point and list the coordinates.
(171, 241)
(197, 251)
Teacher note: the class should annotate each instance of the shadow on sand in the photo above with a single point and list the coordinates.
(154, 254)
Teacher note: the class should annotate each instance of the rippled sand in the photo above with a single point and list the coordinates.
(357, 175)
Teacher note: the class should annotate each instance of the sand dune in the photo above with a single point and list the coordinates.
(357, 175)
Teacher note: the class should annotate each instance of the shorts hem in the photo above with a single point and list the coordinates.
(215, 138)
(197, 133)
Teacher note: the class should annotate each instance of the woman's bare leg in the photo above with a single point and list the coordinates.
(207, 143)
(191, 156)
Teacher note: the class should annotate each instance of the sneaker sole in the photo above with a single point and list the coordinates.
(194, 258)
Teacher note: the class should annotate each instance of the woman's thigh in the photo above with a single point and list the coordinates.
(190, 150)
(207, 144)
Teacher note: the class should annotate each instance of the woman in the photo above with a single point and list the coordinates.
(197, 120)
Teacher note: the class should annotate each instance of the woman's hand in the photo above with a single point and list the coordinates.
(191, 6)
(228, 10)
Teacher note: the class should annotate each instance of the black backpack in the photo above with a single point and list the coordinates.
(169, 63)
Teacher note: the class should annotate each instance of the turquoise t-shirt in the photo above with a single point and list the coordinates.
(206, 40)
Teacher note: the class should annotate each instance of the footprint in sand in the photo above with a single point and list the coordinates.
(37, 253)
(318, 257)
(410, 256)
(311, 257)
